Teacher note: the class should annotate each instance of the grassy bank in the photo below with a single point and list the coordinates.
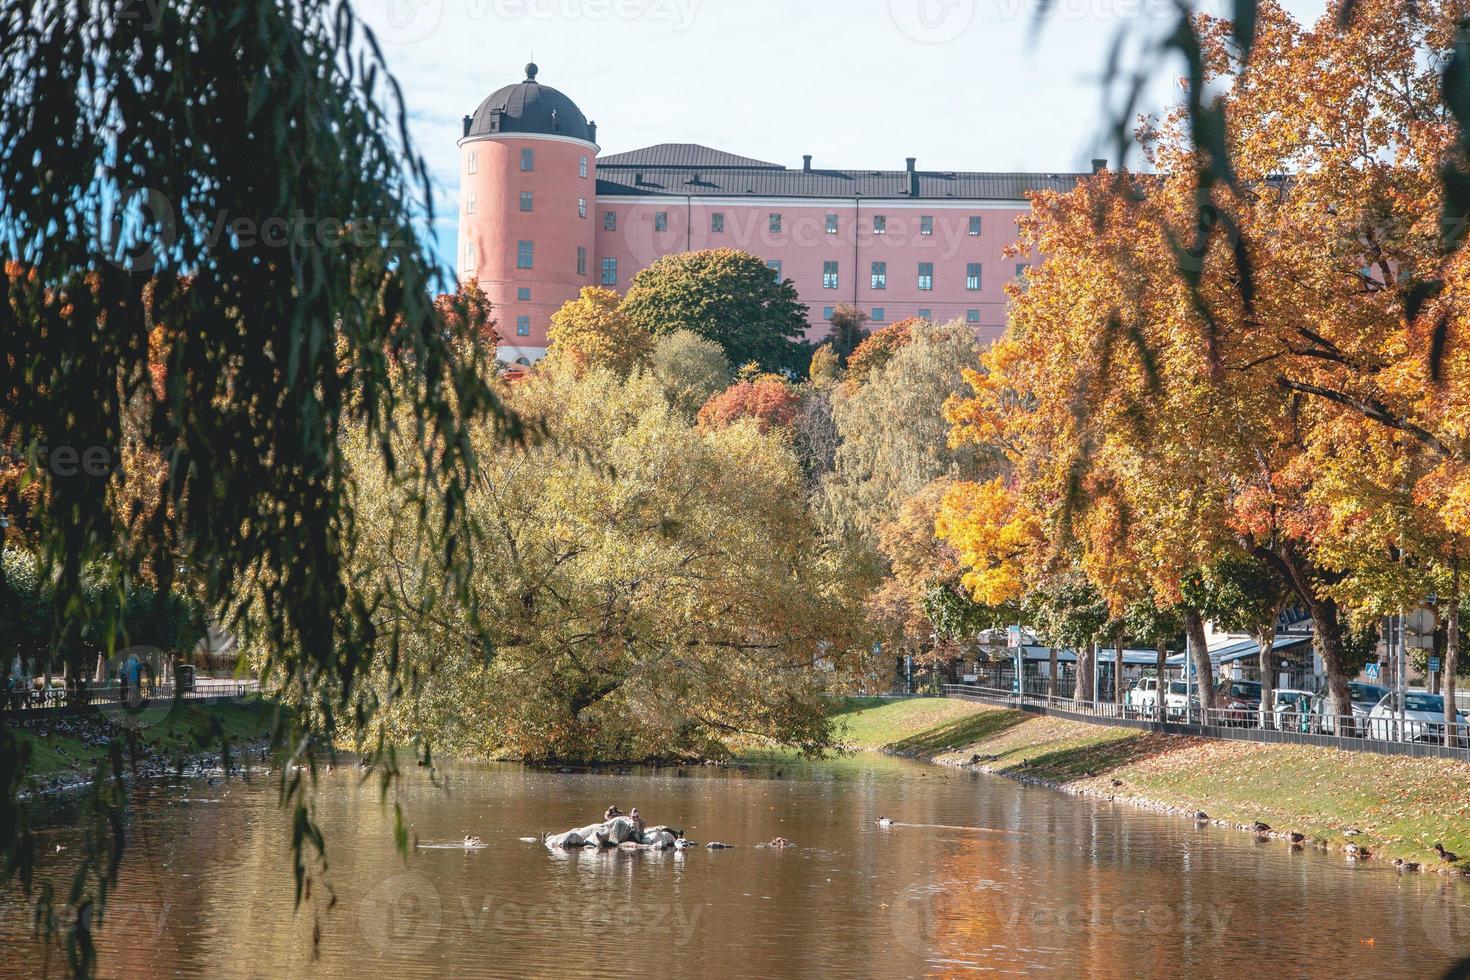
(1401, 806)
(66, 750)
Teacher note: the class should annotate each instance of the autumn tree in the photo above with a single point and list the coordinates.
(655, 589)
(877, 349)
(691, 369)
(727, 296)
(594, 331)
(893, 431)
(768, 400)
(847, 329)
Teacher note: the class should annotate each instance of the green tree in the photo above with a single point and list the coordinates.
(727, 296)
(1242, 594)
(1066, 610)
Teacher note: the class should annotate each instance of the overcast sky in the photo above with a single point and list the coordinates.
(959, 84)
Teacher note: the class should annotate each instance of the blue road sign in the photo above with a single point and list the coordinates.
(1372, 670)
(1434, 665)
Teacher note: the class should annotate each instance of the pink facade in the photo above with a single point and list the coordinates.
(879, 273)
(541, 216)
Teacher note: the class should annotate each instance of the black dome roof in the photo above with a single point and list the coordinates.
(530, 107)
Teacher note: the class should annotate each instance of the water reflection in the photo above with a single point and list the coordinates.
(1073, 887)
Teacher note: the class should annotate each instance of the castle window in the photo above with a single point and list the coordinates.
(582, 166)
(775, 266)
(581, 260)
(609, 272)
(661, 221)
(525, 255)
(528, 201)
(974, 224)
(528, 160)
(880, 224)
(972, 316)
(523, 294)
(831, 224)
(926, 275)
(926, 314)
(717, 221)
(827, 312)
(877, 315)
(926, 224)
(880, 275)
(609, 221)
(581, 207)
(472, 162)
(775, 223)
(469, 203)
(523, 326)
(469, 258)
(972, 276)
(829, 275)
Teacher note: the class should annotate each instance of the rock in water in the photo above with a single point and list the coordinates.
(715, 845)
(569, 839)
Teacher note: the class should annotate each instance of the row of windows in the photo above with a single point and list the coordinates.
(879, 315)
(528, 203)
(528, 162)
(878, 275)
(526, 259)
(717, 222)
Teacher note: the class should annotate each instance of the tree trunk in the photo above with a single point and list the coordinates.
(1451, 659)
(1163, 685)
(1326, 620)
(1118, 667)
(1051, 680)
(1194, 623)
(1266, 640)
(1082, 689)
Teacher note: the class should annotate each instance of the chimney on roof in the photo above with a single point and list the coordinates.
(806, 163)
(592, 135)
(638, 177)
(913, 177)
(1099, 165)
(466, 125)
(911, 161)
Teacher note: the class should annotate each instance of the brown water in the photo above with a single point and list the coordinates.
(1072, 888)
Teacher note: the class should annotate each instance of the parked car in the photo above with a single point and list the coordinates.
(1423, 718)
(1144, 697)
(1239, 702)
(1363, 697)
(1292, 709)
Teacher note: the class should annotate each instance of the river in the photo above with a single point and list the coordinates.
(982, 875)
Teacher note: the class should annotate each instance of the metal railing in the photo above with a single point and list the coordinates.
(1387, 735)
(22, 700)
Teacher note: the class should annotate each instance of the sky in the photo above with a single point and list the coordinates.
(959, 84)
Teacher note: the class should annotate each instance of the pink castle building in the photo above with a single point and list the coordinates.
(542, 216)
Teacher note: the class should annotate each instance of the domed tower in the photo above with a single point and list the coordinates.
(528, 182)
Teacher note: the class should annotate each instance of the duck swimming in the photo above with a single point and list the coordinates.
(470, 840)
(1403, 865)
(884, 822)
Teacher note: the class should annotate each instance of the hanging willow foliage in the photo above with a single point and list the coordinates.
(209, 214)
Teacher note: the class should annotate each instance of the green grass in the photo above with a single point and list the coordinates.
(1402, 806)
(879, 723)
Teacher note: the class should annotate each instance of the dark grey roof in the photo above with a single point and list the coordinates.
(530, 107)
(686, 168)
(681, 155)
